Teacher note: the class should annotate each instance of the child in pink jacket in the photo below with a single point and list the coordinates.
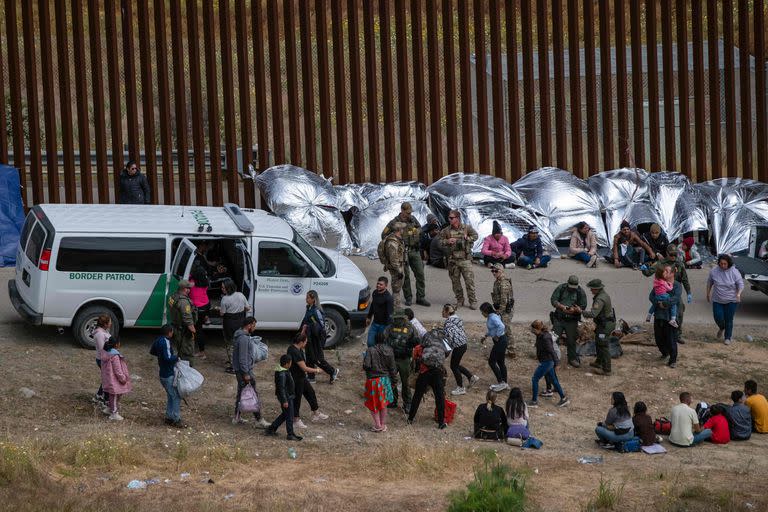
(115, 377)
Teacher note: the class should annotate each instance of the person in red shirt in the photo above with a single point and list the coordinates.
(718, 423)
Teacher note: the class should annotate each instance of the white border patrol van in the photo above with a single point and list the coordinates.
(76, 262)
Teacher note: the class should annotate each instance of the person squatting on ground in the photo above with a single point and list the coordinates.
(183, 316)
(380, 378)
(643, 424)
(242, 363)
(690, 253)
(413, 261)
(394, 259)
(299, 371)
(548, 360)
(381, 310)
(166, 360)
(724, 287)
(618, 425)
(758, 407)
(517, 415)
(663, 282)
(503, 298)
(718, 424)
(402, 337)
(658, 242)
(285, 391)
(115, 377)
(605, 322)
(569, 300)
(496, 248)
(233, 308)
(665, 335)
(100, 336)
(458, 238)
(495, 331)
(583, 245)
(456, 338)
(313, 325)
(686, 430)
(741, 417)
(628, 249)
(428, 358)
(490, 421)
(530, 251)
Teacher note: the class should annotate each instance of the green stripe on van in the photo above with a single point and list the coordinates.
(152, 314)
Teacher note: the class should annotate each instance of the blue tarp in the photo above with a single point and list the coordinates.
(11, 214)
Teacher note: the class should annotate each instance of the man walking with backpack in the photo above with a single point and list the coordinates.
(569, 300)
(429, 357)
(458, 238)
(411, 240)
(392, 255)
(402, 337)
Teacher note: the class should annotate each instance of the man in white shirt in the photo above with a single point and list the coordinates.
(686, 430)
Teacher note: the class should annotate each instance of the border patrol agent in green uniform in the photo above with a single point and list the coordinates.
(457, 239)
(503, 298)
(569, 300)
(411, 239)
(605, 322)
(402, 337)
(183, 316)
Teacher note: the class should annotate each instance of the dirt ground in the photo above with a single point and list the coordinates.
(60, 453)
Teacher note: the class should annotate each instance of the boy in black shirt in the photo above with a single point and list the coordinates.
(285, 392)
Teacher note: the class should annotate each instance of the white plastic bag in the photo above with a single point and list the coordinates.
(186, 379)
(259, 349)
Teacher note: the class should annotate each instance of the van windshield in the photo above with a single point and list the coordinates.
(315, 257)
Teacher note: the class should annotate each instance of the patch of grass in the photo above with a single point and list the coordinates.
(104, 451)
(606, 497)
(698, 498)
(16, 463)
(496, 487)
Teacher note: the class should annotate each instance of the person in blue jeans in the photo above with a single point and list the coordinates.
(618, 425)
(381, 310)
(724, 287)
(166, 360)
(529, 251)
(495, 331)
(547, 357)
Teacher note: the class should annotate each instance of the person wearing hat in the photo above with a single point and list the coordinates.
(605, 322)
(503, 298)
(402, 337)
(628, 249)
(457, 239)
(411, 239)
(496, 248)
(689, 253)
(681, 276)
(529, 251)
(395, 262)
(569, 300)
(183, 316)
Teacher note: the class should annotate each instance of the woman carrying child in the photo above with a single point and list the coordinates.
(662, 285)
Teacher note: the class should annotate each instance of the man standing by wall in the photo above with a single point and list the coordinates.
(411, 239)
(458, 238)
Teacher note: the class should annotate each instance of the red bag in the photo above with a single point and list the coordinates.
(450, 411)
(662, 426)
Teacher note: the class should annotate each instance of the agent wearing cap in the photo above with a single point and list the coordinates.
(183, 316)
(605, 322)
(413, 261)
(395, 262)
(681, 276)
(569, 300)
(503, 298)
(529, 251)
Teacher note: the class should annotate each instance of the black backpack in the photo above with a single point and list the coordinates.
(433, 353)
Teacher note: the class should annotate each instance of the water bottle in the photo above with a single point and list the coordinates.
(292, 453)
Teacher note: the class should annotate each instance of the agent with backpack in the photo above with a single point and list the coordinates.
(243, 362)
(429, 358)
(392, 253)
(402, 337)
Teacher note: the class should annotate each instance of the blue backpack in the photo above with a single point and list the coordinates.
(628, 446)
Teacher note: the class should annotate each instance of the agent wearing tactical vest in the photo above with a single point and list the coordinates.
(503, 298)
(605, 322)
(457, 239)
(183, 316)
(413, 261)
(569, 300)
(402, 338)
(395, 263)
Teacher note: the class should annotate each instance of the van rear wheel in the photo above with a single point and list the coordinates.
(85, 324)
(335, 327)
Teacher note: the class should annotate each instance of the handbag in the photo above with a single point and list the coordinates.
(249, 400)
(532, 442)
(662, 426)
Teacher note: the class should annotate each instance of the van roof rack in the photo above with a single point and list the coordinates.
(238, 217)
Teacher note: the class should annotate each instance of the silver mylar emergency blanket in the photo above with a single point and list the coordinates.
(308, 202)
(563, 199)
(623, 195)
(368, 224)
(677, 204)
(459, 190)
(734, 206)
(514, 223)
(399, 190)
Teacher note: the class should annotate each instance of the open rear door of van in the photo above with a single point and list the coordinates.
(181, 266)
(248, 285)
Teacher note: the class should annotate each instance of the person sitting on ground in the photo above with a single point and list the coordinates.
(380, 377)
(583, 245)
(741, 417)
(718, 424)
(643, 424)
(758, 407)
(528, 250)
(496, 248)
(418, 327)
(285, 391)
(618, 425)
(686, 430)
(490, 420)
(690, 253)
(661, 293)
(657, 240)
(517, 415)
(628, 249)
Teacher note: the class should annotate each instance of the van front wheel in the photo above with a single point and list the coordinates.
(335, 327)
(85, 324)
